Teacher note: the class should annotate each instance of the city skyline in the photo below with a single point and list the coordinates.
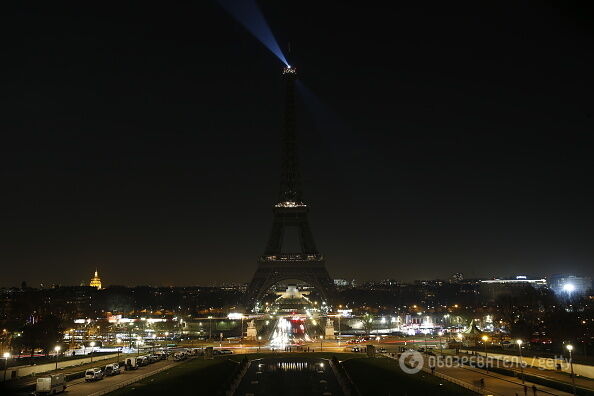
(157, 161)
(99, 281)
(243, 197)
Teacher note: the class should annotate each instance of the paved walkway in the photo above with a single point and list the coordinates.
(559, 376)
(494, 384)
(497, 384)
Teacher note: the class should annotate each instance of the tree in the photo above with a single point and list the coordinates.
(368, 322)
(44, 334)
(521, 329)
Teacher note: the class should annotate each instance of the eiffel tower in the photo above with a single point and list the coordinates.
(275, 265)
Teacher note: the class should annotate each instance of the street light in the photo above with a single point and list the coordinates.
(241, 337)
(425, 333)
(339, 333)
(570, 349)
(520, 342)
(138, 342)
(209, 328)
(130, 335)
(57, 349)
(259, 342)
(485, 338)
(92, 344)
(439, 334)
(6, 356)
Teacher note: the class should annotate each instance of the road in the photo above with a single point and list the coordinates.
(29, 382)
(81, 388)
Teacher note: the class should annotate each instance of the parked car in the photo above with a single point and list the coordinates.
(155, 358)
(142, 361)
(112, 369)
(94, 374)
(180, 356)
(356, 349)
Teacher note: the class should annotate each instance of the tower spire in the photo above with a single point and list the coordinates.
(290, 186)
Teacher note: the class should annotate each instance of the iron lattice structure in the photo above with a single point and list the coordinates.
(306, 265)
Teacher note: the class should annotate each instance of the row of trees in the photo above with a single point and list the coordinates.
(44, 334)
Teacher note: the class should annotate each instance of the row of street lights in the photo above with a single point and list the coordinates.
(57, 349)
(569, 347)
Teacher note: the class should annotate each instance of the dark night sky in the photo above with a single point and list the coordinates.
(145, 141)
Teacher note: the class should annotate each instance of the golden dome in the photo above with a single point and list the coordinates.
(95, 281)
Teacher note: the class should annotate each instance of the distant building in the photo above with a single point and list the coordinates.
(343, 283)
(493, 288)
(390, 282)
(95, 281)
(518, 280)
(564, 284)
(458, 277)
(429, 282)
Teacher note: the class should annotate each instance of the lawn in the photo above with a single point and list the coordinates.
(197, 376)
(382, 377)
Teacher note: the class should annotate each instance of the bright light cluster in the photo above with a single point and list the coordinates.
(290, 204)
(289, 70)
(294, 257)
(280, 337)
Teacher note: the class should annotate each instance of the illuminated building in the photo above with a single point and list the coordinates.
(494, 288)
(341, 283)
(458, 277)
(520, 279)
(564, 284)
(95, 281)
(292, 300)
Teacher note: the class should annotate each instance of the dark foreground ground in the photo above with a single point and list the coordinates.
(291, 374)
(383, 377)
